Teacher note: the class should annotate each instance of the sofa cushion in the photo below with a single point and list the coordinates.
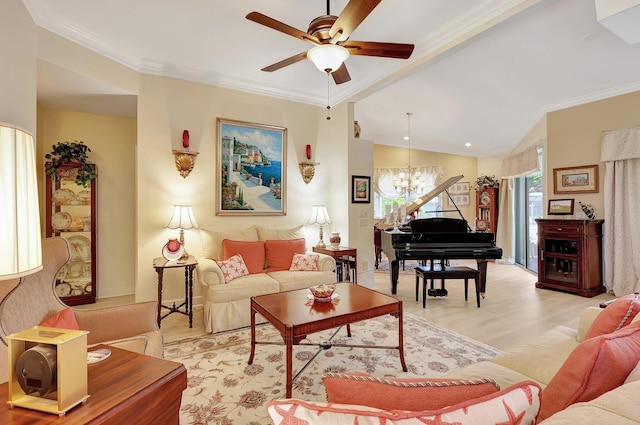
(64, 319)
(304, 262)
(265, 234)
(252, 253)
(289, 280)
(280, 253)
(212, 241)
(402, 393)
(618, 314)
(504, 376)
(596, 366)
(516, 404)
(233, 268)
(242, 288)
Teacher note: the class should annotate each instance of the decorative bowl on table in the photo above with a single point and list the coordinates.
(323, 293)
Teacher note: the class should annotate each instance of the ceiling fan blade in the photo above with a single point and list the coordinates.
(341, 75)
(282, 27)
(373, 48)
(293, 59)
(352, 15)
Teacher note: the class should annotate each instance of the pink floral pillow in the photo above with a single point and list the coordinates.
(233, 268)
(305, 262)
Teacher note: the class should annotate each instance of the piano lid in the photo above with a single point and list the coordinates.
(417, 203)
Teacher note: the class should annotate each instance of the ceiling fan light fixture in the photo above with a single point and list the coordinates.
(328, 57)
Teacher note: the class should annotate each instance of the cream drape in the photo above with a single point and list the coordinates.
(516, 165)
(620, 151)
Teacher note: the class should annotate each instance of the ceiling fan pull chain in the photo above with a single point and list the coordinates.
(328, 87)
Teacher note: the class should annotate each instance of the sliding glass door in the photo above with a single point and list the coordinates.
(528, 207)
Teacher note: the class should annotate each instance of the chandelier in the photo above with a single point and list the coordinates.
(408, 182)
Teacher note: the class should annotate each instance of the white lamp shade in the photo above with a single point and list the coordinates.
(21, 247)
(319, 215)
(328, 57)
(182, 218)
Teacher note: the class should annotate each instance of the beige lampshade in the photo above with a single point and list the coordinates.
(319, 215)
(21, 249)
(182, 218)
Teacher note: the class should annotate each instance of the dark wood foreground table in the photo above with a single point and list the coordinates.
(295, 316)
(126, 388)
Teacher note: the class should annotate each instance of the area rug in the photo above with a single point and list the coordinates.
(223, 389)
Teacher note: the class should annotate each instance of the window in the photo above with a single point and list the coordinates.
(528, 192)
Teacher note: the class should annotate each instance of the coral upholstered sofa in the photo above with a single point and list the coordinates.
(275, 260)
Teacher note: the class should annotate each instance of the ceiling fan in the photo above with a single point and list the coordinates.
(330, 34)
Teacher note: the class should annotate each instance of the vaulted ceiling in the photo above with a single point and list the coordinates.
(482, 72)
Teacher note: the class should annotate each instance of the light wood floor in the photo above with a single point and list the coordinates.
(513, 311)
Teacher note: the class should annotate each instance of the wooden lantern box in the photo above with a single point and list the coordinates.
(71, 368)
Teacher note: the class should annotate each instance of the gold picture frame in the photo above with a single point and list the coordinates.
(581, 179)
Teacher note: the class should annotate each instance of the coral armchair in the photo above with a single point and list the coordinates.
(33, 300)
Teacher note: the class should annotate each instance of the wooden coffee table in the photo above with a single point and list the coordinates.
(289, 313)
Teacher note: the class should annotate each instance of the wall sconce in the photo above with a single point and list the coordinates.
(307, 167)
(185, 160)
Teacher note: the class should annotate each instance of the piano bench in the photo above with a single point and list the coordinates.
(442, 273)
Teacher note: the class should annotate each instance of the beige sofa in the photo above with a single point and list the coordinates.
(227, 305)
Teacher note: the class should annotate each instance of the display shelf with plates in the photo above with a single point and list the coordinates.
(71, 214)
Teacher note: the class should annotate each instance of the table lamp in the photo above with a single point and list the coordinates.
(182, 218)
(319, 215)
(21, 249)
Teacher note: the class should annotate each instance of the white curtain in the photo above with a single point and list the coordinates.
(383, 179)
(620, 151)
(517, 165)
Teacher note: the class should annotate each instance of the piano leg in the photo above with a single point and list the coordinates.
(394, 270)
(482, 268)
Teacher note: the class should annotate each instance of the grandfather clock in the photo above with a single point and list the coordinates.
(487, 209)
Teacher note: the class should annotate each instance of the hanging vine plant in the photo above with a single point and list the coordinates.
(65, 153)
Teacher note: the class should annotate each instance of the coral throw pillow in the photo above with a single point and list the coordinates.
(615, 316)
(403, 393)
(517, 404)
(302, 262)
(280, 252)
(233, 268)
(596, 366)
(64, 319)
(252, 253)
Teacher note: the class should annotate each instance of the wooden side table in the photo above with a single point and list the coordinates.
(160, 264)
(346, 261)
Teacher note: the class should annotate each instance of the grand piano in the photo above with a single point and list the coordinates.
(437, 238)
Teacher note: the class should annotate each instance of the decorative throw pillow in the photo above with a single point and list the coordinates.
(64, 319)
(252, 253)
(596, 366)
(403, 393)
(280, 252)
(233, 268)
(303, 262)
(615, 316)
(516, 404)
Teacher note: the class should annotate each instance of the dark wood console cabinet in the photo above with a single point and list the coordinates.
(570, 256)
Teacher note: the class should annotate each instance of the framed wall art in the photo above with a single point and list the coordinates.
(583, 179)
(460, 200)
(360, 189)
(251, 167)
(459, 188)
(560, 207)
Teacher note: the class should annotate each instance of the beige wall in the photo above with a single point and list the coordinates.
(112, 142)
(573, 139)
(453, 165)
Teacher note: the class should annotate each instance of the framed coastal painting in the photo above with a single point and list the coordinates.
(251, 166)
(582, 179)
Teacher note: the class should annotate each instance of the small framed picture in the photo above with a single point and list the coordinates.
(459, 188)
(560, 207)
(360, 189)
(582, 179)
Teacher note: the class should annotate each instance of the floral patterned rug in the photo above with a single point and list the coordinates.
(223, 389)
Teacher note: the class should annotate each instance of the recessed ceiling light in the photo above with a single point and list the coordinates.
(467, 144)
(406, 137)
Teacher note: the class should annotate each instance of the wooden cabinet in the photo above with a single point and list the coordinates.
(71, 214)
(570, 256)
(487, 201)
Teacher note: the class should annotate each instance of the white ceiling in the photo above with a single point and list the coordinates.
(483, 72)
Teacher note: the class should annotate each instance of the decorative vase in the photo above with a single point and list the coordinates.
(588, 210)
(335, 239)
(172, 250)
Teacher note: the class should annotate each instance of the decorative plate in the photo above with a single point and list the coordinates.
(63, 289)
(80, 248)
(172, 255)
(88, 288)
(61, 220)
(63, 197)
(84, 197)
(75, 269)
